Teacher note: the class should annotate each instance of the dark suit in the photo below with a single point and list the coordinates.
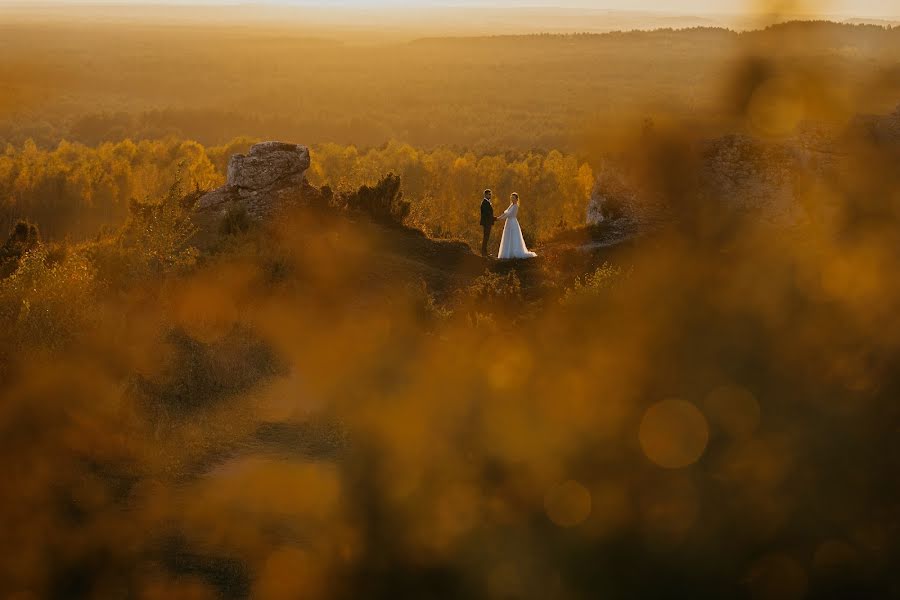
(487, 221)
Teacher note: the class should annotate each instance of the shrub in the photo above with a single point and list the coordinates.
(154, 241)
(383, 203)
(429, 312)
(23, 237)
(593, 285)
(327, 195)
(46, 300)
(494, 294)
(201, 374)
(611, 198)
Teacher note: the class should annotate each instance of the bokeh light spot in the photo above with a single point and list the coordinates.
(673, 434)
(568, 504)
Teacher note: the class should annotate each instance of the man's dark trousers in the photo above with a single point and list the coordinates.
(487, 221)
(487, 236)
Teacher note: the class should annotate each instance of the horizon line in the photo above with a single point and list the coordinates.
(445, 4)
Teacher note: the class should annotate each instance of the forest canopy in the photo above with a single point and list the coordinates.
(93, 83)
(75, 190)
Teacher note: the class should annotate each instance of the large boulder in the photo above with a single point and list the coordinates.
(738, 173)
(260, 181)
(267, 166)
(612, 197)
(767, 178)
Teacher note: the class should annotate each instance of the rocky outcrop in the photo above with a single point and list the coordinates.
(768, 178)
(612, 197)
(747, 174)
(737, 173)
(268, 165)
(262, 181)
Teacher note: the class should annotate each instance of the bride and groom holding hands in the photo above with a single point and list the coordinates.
(512, 244)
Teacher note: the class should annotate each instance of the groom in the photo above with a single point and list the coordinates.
(487, 220)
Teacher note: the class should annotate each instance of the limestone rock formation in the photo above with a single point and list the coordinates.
(261, 181)
(268, 165)
(612, 197)
(738, 173)
(767, 177)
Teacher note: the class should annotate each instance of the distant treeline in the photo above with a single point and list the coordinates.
(97, 83)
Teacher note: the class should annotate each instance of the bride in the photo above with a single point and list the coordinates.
(512, 244)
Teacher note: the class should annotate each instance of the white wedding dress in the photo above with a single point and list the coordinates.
(512, 244)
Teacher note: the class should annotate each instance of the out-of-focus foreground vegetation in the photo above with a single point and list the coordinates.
(324, 406)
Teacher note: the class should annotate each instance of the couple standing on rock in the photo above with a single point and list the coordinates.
(512, 244)
(259, 180)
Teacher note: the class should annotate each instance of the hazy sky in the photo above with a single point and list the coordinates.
(870, 8)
